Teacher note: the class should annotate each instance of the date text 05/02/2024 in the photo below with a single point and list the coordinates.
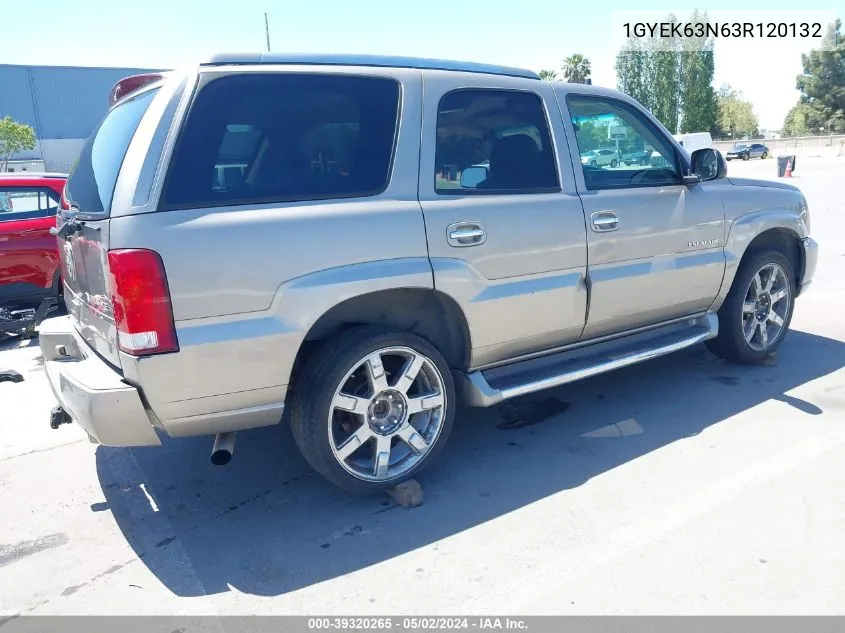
(408, 623)
(724, 29)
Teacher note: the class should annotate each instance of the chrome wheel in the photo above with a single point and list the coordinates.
(387, 414)
(766, 307)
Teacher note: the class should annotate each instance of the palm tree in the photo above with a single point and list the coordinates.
(548, 75)
(576, 69)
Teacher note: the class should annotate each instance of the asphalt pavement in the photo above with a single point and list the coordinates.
(681, 486)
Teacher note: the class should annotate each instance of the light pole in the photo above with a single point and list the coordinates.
(267, 31)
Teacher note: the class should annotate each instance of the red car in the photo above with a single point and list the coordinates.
(29, 256)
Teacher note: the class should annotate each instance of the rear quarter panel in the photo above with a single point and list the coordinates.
(247, 282)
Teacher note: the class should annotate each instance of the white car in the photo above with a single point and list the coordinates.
(600, 158)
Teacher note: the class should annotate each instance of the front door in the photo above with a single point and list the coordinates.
(655, 245)
(505, 226)
(28, 255)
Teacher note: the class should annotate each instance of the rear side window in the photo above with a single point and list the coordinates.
(258, 138)
(90, 186)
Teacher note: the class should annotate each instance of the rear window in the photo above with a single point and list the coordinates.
(258, 138)
(91, 184)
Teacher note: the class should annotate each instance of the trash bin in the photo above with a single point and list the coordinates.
(782, 162)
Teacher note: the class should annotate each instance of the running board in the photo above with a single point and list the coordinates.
(490, 387)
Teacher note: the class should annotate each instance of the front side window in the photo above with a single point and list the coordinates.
(493, 142)
(258, 138)
(619, 146)
(23, 203)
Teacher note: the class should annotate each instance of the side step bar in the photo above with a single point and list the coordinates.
(490, 387)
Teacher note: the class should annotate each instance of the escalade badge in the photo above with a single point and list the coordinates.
(701, 243)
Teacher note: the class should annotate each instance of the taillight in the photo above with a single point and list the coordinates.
(140, 300)
(64, 201)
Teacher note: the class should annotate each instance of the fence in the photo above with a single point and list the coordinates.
(828, 145)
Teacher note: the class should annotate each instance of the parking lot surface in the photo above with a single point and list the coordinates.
(683, 485)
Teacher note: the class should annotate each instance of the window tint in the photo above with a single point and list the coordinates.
(23, 203)
(619, 146)
(493, 141)
(90, 186)
(253, 138)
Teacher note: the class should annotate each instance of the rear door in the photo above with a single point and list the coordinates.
(27, 250)
(504, 223)
(84, 224)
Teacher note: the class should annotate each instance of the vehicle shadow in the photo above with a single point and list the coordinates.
(266, 525)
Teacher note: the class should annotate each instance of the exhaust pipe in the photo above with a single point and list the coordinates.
(224, 446)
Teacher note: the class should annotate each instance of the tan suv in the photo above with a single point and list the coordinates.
(363, 240)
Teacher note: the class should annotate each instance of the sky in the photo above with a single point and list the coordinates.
(535, 34)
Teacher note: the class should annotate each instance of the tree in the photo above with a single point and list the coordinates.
(548, 75)
(665, 78)
(14, 137)
(735, 115)
(822, 87)
(632, 71)
(576, 69)
(797, 120)
(698, 99)
(672, 77)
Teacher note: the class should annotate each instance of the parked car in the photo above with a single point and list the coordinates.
(747, 152)
(365, 301)
(29, 256)
(637, 157)
(600, 158)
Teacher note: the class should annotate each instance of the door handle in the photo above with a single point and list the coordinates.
(604, 221)
(466, 234)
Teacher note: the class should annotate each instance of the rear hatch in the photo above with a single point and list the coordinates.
(83, 225)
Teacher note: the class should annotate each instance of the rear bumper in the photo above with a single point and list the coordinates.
(811, 260)
(91, 391)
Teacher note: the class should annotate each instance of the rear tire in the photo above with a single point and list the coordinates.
(374, 406)
(755, 317)
(614, 163)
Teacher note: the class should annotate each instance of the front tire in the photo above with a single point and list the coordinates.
(373, 408)
(764, 156)
(755, 317)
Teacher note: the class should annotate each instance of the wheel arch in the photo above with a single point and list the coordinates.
(431, 314)
(783, 240)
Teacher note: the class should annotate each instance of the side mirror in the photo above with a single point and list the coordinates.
(708, 164)
(472, 176)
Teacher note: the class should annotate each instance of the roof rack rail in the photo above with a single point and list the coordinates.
(367, 60)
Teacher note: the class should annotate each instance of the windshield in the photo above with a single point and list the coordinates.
(743, 146)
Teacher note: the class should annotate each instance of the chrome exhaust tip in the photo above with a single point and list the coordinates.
(224, 446)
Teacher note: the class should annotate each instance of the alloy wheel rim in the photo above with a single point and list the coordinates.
(765, 308)
(386, 414)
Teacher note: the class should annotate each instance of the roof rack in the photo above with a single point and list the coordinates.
(366, 60)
